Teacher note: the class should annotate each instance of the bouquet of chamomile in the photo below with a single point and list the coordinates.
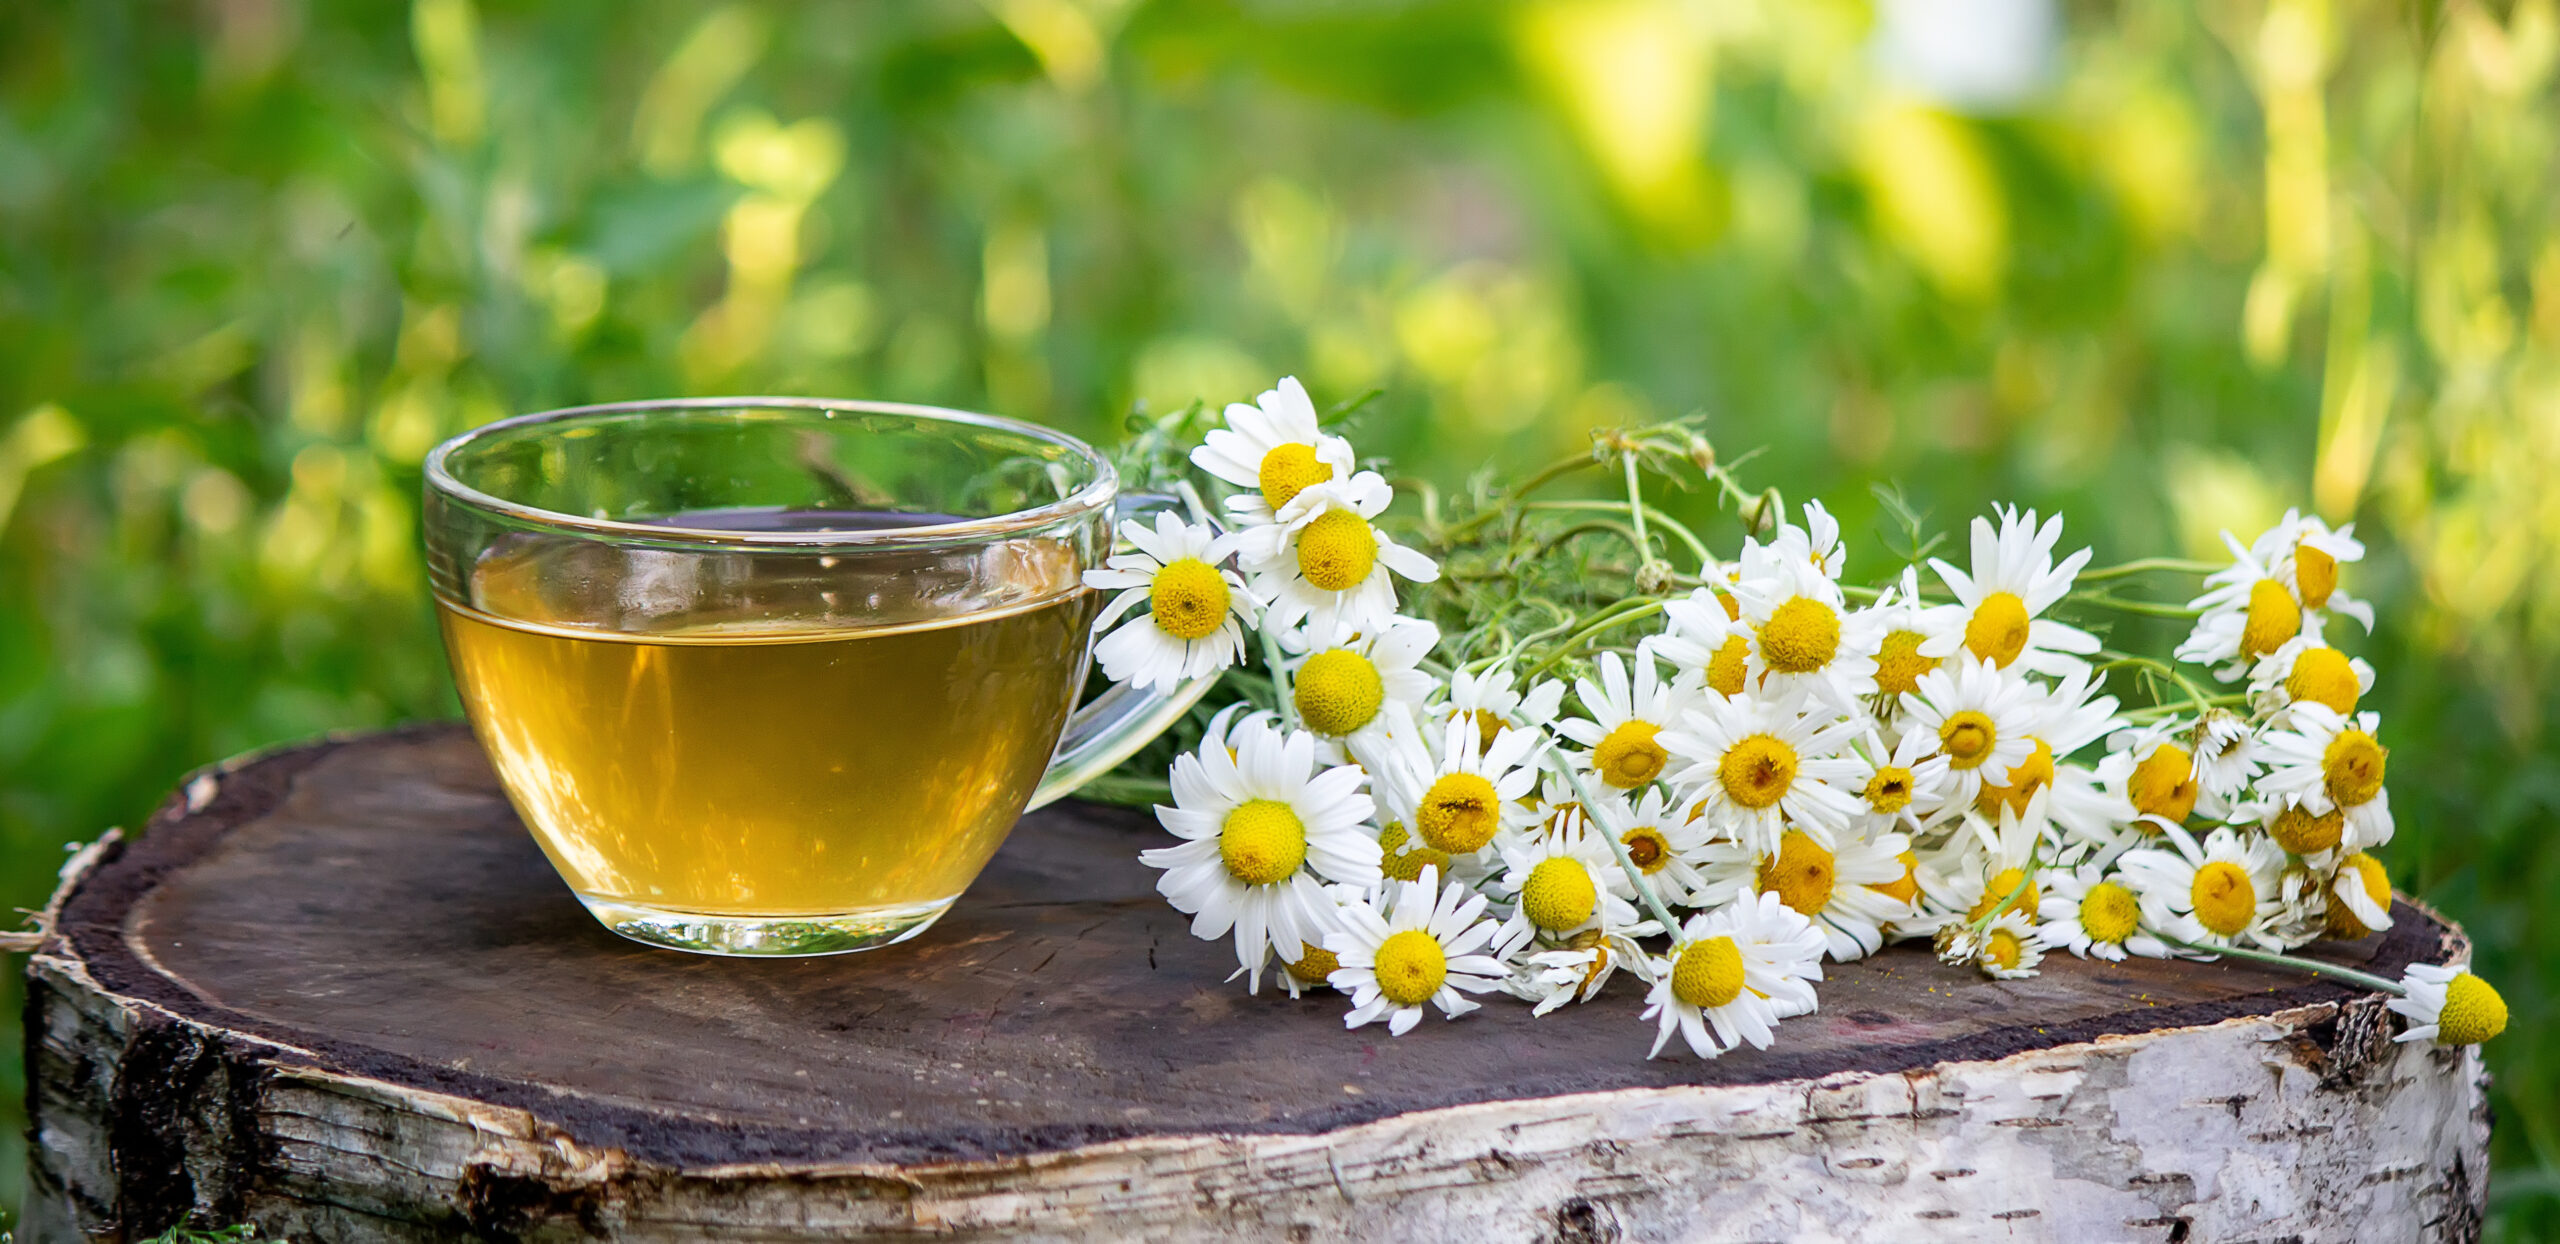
(1515, 745)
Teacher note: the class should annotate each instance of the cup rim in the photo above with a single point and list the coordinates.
(1095, 494)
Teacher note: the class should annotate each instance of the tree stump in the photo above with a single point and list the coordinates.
(336, 992)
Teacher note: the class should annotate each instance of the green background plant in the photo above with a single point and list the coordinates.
(257, 255)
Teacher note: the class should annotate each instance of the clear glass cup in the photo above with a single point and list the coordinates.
(775, 676)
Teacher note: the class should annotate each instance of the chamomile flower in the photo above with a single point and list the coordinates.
(2012, 582)
(1816, 544)
(1837, 890)
(2248, 613)
(2224, 891)
(1259, 825)
(1560, 881)
(2448, 1005)
(1276, 450)
(2005, 949)
(1897, 784)
(1991, 862)
(1733, 974)
(1329, 560)
(1979, 716)
(2321, 760)
(1662, 841)
(2305, 669)
(2151, 769)
(1623, 721)
(1352, 683)
(1762, 765)
(1904, 624)
(2305, 555)
(1802, 634)
(1311, 969)
(1491, 700)
(1450, 791)
(2093, 915)
(2227, 756)
(1195, 607)
(2066, 717)
(1578, 969)
(1705, 638)
(2359, 899)
(1421, 942)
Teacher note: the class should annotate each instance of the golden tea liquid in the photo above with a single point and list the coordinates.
(824, 747)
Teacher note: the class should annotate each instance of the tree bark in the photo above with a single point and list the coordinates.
(336, 993)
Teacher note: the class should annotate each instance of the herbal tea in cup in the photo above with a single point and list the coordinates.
(769, 677)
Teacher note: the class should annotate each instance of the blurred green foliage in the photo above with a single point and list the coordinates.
(2190, 265)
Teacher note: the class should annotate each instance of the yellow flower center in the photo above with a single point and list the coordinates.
(1627, 757)
(1758, 771)
(1801, 637)
(1708, 973)
(1732, 607)
(1908, 888)
(2273, 618)
(2108, 913)
(1337, 551)
(1889, 791)
(1647, 849)
(2224, 897)
(1316, 965)
(2315, 573)
(2324, 676)
(2298, 831)
(2473, 1012)
(1488, 724)
(2352, 766)
(1730, 666)
(1289, 470)
(2343, 924)
(2164, 784)
(2025, 778)
(1559, 894)
(1400, 860)
(1899, 664)
(1188, 598)
(1262, 841)
(1801, 875)
(1338, 691)
(2003, 950)
(1410, 967)
(1996, 890)
(1967, 738)
(1459, 813)
(1997, 631)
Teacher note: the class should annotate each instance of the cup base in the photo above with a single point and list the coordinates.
(764, 937)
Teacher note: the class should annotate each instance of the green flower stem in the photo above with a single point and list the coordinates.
(1635, 507)
(1511, 500)
(1645, 608)
(2154, 712)
(2134, 660)
(2026, 879)
(2313, 966)
(2172, 565)
(1549, 544)
(1652, 515)
(2144, 608)
(1280, 691)
(1563, 765)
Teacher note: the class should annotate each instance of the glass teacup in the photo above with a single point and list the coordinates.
(772, 676)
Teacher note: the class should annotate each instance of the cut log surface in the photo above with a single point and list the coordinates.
(337, 993)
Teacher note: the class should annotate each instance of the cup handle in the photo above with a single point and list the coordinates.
(1122, 719)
